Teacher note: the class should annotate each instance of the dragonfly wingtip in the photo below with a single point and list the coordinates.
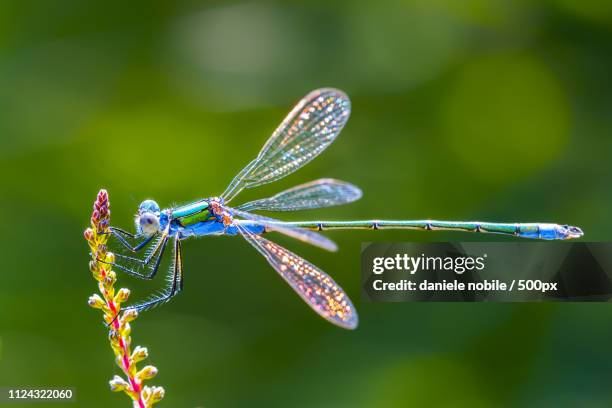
(351, 322)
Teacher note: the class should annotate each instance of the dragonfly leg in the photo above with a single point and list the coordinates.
(178, 262)
(156, 254)
(123, 232)
(120, 234)
(175, 282)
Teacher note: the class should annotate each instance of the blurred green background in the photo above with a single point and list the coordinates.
(497, 110)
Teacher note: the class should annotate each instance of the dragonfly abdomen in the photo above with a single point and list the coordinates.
(525, 230)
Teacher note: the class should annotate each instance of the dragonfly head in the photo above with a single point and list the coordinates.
(147, 218)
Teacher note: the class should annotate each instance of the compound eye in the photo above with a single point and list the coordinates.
(148, 206)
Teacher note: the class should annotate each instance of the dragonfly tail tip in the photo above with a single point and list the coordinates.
(573, 232)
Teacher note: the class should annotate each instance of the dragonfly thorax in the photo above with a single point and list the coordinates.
(222, 215)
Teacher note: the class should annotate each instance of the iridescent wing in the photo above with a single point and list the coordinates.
(316, 194)
(271, 224)
(309, 128)
(313, 285)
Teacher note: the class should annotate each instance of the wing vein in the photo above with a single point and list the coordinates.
(313, 285)
(310, 128)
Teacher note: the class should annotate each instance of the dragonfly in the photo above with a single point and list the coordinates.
(313, 124)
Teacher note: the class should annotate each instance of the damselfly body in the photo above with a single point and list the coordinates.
(310, 128)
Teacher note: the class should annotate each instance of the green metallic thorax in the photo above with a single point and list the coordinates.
(192, 213)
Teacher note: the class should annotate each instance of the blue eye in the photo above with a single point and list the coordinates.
(148, 206)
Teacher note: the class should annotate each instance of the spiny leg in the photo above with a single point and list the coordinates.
(153, 271)
(178, 260)
(161, 243)
(124, 232)
(120, 234)
(175, 283)
(156, 253)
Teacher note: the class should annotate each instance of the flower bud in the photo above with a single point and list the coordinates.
(145, 393)
(114, 336)
(139, 354)
(147, 373)
(118, 384)
(157, 394)
(102, 207)
(96, 302)
(110, 280)
(88, 234)
(104, 224)
(129, 315)
(126, 329)
(122, 295)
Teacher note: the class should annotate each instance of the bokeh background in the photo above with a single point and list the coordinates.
(497, 110)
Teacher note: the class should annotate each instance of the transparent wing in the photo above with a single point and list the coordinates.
(271, 224)
(309, 128)
(313, 285)
(316, 194)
